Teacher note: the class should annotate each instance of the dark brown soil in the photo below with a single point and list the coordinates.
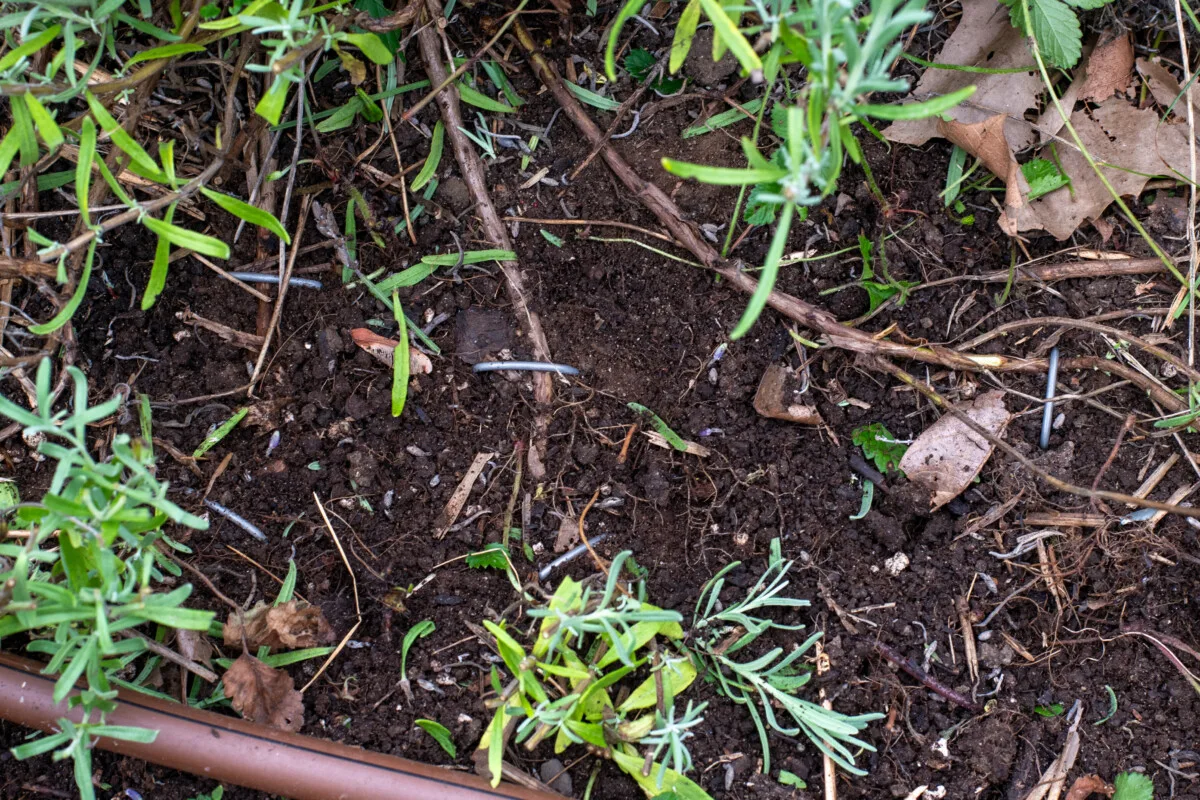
(642, 328)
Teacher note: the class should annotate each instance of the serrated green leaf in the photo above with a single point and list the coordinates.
(1133, 786)
(493, 556)
(252, 214)
(1043, 176)
(1056, 28)
(182, 237)
(878, 445)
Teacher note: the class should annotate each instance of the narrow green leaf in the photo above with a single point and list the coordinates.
(30, 47)
(182, 237)
(243, 210)
(729, 35)
(138, 157)
(557, 241)
(664, 430)
(433, 160)
(158, 270)
(166, 51)
(83, 167)
(126, 733)
(407, 277)
(723, 176)
(723, 120)
(470, 257)
(766, 280)
(685, 31)
(925, 108)
(592, 99)
(630, 8)
(22, 123)
(370, 45)
(222, 430)
(481, 100)
(68, 311)
(9, 146)
(400, 364)
(46, 126)
(440, 734)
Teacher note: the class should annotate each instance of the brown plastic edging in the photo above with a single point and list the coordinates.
(235, 751)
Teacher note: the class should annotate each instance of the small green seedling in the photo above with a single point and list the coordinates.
(220, 432)
(1112, 706)
(418, 631)
(880, 446)
(440, 734)
(663, 429)
(1052, 710)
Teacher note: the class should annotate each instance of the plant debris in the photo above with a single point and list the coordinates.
(948, 455)
(290, 625)
(264, 695)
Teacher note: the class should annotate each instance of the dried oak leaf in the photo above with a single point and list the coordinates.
(1166, 89)
(1108, 69)
(290, 625)
(1132, 140)
(986, 141)
(264, 695)
(948, 455)
(984, 38)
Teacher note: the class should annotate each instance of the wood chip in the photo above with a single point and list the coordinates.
(692, 449)
(775, 401)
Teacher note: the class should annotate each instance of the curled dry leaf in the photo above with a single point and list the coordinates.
(1087, 785)
(264, 695)
(689, 447)
(383, 348)
(1166, 89)
(1115, 132)
(948, 455)
(291, 625)
(194, 646)
(772, 398)
(985, 140)
(984, 38)
(1108, 69)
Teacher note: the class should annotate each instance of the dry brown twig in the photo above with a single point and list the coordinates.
(473, 174)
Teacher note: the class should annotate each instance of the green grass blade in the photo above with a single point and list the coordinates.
(664, 430)
(243, 210)
(433, 160)
(480, 100)
(158, 270)
(766, 281)
(45, 123)
(630, 8)
(68, 311)
(723, 176)
(685, 31)
(400, 364)
(166, 51)
(729, 34)
(921, 110)
(83, 167)
(223, 430)
(182, 237)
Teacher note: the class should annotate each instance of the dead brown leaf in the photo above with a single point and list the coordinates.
(1087, 785)
(1166, 89)
(1132, 140)
(194, 646)
(1108, 69)
(264, 695)
(948, 455)
(983, 38)
(291, 625)
(986, 141)
(568, 533)
(776, 400)
(383, 349)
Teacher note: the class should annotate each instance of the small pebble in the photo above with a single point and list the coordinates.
(896, 564)
(435, 480)
(413, 450)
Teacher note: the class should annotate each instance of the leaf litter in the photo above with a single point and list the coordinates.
(264, 695)
(1132, 145)
(290, 625)
(948, 455)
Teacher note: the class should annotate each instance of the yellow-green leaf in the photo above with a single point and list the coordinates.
(30, 47)
(685, 30)
(68, 311)
(46, 126)
(433, 159)
(166, 51)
